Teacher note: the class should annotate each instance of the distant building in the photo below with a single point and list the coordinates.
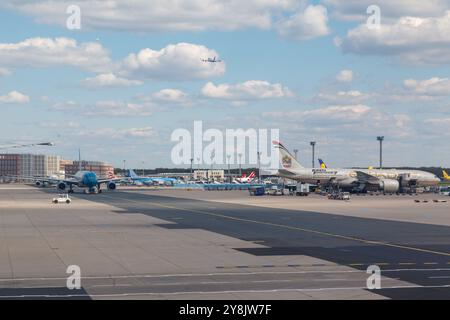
(10, 164)
(102, 169)
(216, 175)
(63, 163)
(29, 165)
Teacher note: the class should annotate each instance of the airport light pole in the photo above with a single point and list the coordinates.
(212, 166)
(296, 154)
(124, 166)
(313, 145)
(381, 139)
(259, 165)
(143, 170)
(192, 162)
(229, 171)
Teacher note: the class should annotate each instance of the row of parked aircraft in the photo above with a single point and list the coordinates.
(359, 180)
(90, 183)
(148, 181)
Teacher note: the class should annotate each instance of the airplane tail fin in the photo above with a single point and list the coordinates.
(252, 175)
(111, 175)
(322, 164)
(446, 176)
(287, 160)
(132, 174)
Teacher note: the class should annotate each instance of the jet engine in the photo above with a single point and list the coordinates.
(389, 185)
(38, 183)
(62, 186)
(111, 186)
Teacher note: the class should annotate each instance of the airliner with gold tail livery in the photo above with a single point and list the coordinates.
(384, 180)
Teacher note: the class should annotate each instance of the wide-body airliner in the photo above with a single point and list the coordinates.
(87, 180)
(385, 180)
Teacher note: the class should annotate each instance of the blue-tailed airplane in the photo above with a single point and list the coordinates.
(322, 164)
(149, 181)
(87, 180)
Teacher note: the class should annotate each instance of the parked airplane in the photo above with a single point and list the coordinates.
(86, 180)
(149, 181)
(322, 164)
(38, 181)
(446, 176)
(245, 179)
(212, 60)
(387, 181)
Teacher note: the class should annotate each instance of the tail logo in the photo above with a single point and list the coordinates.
(111, 175)
(446, 176)
(287, 162)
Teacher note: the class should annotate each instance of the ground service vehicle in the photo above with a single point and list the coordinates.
(62, 198)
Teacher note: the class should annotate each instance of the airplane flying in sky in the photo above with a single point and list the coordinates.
(212, 60)
(388, 181)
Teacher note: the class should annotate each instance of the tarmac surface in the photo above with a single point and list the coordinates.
(177, 244)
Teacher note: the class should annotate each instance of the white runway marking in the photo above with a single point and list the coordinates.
(225, 274)
(131, 294)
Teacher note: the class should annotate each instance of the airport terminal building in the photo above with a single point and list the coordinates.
(101, 169)
(38, 165)
(217, 175)
(29, 165)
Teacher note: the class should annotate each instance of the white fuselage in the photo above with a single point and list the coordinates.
(348, 177)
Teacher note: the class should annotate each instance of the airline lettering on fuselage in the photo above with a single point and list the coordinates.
(384, 175)
(323, 172)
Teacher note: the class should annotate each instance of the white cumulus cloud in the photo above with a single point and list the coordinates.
(337, 112)
(413, 40)
(182, 61)
(355, 10)
(48, 52)
(14, 97)
(433, 87)
(345, 76)
(159, 15)
(305, 25)
(118, 133)
(171, 95)
(342, 97)
(249, 90)
(109, 80)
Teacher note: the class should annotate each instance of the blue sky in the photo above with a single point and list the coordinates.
(314, 70)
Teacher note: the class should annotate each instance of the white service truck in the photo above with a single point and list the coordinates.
(302, 189)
